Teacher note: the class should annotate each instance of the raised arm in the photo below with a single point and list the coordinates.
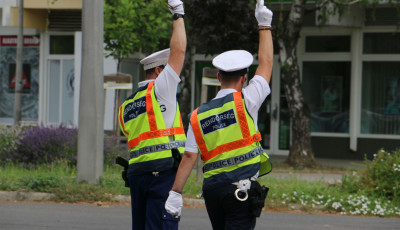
(178, 38)
(265, 46)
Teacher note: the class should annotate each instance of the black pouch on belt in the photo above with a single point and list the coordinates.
(176, 155)
(257, 197)
(124, 163)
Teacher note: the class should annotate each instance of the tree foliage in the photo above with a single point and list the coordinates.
(219, 25)
(132, 26)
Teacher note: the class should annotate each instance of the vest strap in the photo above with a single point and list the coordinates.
(154, 134)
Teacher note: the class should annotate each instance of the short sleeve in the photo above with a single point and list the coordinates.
(165, 87)
(166, 84)
(255, 94)
(191, 144)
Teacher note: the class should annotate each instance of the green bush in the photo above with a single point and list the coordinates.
(9, 137)
(382, 175)
(42, 183)
(380, 178)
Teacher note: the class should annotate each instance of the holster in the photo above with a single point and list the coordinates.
(177, 157)
(124, 163)
(257, 195)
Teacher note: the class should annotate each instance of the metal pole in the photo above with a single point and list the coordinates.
(19, 63)
(91, 99)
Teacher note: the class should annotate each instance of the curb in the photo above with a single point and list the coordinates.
(41, 196)
(28, 196)
(192, 201)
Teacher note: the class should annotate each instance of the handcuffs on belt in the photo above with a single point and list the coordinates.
(242, 186)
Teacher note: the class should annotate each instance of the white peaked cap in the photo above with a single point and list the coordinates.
(233, 60)
(155, 59)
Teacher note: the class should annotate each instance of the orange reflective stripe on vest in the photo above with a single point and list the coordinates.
(149, 108)
(121, 120)
(154, 134)
(245, 141)
(197, 133)
(237, 97)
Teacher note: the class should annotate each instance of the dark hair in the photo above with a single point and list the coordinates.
(232, 76)
(229, 78)
(151, 71)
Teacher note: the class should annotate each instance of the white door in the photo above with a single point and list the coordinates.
(61, 91)
(60, 80)
(273, 117)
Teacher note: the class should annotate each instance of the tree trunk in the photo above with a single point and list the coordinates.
(300, 153)
(184, 97)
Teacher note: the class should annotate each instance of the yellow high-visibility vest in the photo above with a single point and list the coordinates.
(141, 121)
(228, 141)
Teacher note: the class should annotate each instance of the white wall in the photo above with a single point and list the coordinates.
(8, 3)
(110, 65)
(5, 11)
(77, 80)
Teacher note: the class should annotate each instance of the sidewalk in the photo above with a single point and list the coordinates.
(339, 163)
(324, 175)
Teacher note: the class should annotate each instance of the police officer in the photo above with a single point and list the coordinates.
(151, 121)
(224, 131)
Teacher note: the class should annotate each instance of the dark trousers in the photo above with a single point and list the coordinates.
(148, 196)
(226, 212)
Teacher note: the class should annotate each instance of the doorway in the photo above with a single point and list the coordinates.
(274, 117)
(60, 77)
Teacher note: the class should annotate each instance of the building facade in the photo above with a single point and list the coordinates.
(51, 61)
(350, 71)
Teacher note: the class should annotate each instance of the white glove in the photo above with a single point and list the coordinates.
(174, 204)
(176, 7)
(263, 14)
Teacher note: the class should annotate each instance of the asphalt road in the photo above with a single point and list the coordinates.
(44, 216)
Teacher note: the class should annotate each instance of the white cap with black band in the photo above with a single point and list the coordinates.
(233, 62)
(156, 59)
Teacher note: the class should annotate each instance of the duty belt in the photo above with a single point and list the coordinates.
(157, 148)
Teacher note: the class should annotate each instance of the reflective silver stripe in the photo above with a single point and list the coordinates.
(233, 160)
(157, 148)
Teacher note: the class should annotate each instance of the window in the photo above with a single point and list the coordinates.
(381, 43)
(326, 87)
(380, 98)
(328, 44)
(61, 91)
(284, 121)
(62, 44)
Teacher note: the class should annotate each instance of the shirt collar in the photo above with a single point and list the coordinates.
(144, 83)
(224, 92)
